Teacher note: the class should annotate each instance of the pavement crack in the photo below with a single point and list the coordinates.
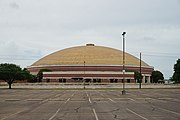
(151, 105)
(111, 111)
(115, 110)
(115, 116)
(77, 109)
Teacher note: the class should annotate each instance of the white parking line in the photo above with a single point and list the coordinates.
(54, 114)
(90, 100)
(87, 94)
(11, 115)
(150, 98)
(121, 98)
(72, 95)
(12, 99)
(168, 99)
(112, 100)
(132, 100)
(44, 101)
(136, 114)
(165, 98)
(34, 99)
(67, 100)
(60, 108)
(95, 114)
(56, 95)
(169, 111)
(55, 100)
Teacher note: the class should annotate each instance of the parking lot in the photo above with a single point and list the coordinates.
(147, 104)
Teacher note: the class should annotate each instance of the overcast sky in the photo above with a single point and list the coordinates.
(31, 29)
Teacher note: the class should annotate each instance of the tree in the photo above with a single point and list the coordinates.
(11, 72)
(176, 74)
(40, 74)
(137, 76)
(26, 75)
(33, 79)
(156, 76)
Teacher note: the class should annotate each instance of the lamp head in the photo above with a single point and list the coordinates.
(123, 33)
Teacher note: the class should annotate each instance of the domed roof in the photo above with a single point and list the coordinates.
(91, 54)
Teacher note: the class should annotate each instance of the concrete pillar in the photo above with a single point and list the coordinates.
(143, 79)
(148, 79)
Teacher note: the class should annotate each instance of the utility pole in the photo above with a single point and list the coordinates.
(84, 76)
(140, 80)
(123, 91)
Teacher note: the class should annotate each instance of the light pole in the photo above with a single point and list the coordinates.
(84, 76)
(140, 73)
(123, 91)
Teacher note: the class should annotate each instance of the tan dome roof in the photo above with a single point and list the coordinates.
(92, 55)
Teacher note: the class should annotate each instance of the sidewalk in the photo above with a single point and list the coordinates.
(90, 85)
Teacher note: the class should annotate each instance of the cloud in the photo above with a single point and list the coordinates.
(14, 5)
(36, 28)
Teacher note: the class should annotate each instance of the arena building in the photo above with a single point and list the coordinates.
(90, 63)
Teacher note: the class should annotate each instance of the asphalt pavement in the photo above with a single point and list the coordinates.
(145, 104)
